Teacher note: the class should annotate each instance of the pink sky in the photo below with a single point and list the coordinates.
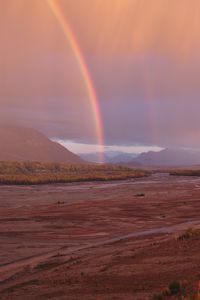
(144, 61)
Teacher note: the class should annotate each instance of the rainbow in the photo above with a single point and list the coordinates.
(94, 103)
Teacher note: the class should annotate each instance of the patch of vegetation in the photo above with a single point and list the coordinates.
(140, 195)
(20, 285)
(175, 289)
(187, 234)
(159, 296)
(185, 172)
(47, 265)
(30, 173)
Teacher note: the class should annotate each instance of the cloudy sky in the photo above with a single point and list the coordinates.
(143, 58)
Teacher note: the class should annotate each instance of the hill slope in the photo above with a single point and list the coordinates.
(26, 144)
(169, 157)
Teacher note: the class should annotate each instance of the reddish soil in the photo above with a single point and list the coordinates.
(102, 241)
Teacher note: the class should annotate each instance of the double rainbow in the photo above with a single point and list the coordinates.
(92, 96)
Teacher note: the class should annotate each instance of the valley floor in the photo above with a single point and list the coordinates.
(113, 240)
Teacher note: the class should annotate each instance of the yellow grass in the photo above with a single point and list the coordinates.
(45, 173)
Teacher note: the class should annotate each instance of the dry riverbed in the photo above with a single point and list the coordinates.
(113, 240)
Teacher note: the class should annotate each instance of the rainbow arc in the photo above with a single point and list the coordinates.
(92, 95)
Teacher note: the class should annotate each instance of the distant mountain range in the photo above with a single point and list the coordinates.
(166, 157)
(27, 144)
(169, 157)
(113, 157)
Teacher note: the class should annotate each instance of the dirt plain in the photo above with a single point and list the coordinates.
(101, 241)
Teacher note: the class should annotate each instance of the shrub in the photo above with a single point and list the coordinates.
(174, 288)
(140, 195)
(187, 234)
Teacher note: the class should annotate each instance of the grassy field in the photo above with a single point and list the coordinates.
(44, 173)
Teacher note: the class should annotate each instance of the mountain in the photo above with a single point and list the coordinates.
(92, 157)
(122, 157)
(113, 157)
(169, 157)
(27, 144)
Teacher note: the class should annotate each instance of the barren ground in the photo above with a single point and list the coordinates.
(101, 241)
